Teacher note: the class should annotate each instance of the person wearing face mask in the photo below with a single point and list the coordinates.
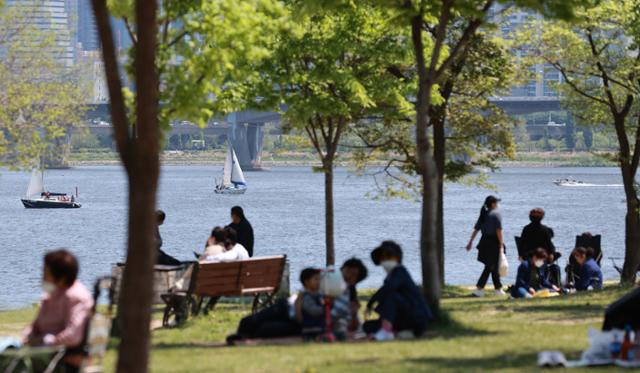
(66, 305)
(589, 272)
(531, 276)
(491, 244)
(400, 304)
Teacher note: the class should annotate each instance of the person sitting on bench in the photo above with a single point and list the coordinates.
(215, 244)
(589, 272)
(400, 304)
(531, 277)
(233, 250)
(286, 318)
(162, 257)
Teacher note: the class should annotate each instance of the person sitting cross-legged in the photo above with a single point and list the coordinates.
(589, 272)
(531, 277)
(399, 302)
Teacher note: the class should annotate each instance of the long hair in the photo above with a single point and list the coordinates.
(484, 211)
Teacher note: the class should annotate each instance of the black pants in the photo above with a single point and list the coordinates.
(166, 259)
(495, 277)
(271, 322)
(395, 309)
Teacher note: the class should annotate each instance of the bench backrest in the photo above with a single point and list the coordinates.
(251, 276)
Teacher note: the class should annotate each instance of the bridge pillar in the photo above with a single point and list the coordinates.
(247, 141)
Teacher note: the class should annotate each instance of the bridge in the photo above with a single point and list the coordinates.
(245, 129)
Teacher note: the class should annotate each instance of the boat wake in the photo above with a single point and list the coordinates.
(589, 185)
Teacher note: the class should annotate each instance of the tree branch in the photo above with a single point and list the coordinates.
(130, 31)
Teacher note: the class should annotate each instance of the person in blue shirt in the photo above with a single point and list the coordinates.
(399, 302)
(531, 276)
(589, 272)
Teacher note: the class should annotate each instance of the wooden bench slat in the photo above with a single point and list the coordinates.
(266, 289)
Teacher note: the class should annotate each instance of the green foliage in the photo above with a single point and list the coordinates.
(40, 98)
(333, 69)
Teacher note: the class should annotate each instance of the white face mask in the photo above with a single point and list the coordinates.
(538, 263)
(48, 287)
(388, 265)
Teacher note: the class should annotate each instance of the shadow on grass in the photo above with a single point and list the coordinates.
(488, 363)
(448, 327)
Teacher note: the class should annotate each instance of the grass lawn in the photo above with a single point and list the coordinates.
(488, 334)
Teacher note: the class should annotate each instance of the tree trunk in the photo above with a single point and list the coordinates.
(328, 211)
(632, 228)
(428, 171)
(137, 279)
(439, 144)
(143, 171)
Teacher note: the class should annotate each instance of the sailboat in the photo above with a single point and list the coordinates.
(233, 181)
(38, 198)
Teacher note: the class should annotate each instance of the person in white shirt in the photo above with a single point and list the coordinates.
(234, 250)
(215, 244)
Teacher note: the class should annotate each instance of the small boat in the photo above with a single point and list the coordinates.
(38, 198)
(569, 182)
(233, 181)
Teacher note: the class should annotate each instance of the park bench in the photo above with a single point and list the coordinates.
(257, 277)
(164, 278)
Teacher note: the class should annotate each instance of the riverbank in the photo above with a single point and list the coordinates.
(298, 159)
(488, 334)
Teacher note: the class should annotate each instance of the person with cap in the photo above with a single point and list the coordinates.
(243, 228)
(400, 304)
(490, 245)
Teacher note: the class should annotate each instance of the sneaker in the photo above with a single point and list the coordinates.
(500, 292)
(383, 335)
(478, 293)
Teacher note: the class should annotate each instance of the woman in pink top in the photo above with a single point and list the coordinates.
(66, 304)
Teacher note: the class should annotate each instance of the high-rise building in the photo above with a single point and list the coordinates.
(87, 33)
(49, 17)
(544, 76)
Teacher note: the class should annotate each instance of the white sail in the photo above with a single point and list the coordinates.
(228, 165)
(237, 177)
(36, 185)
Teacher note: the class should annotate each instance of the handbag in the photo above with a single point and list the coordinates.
(503, 265)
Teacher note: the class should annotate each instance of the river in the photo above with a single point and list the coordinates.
(286, 208)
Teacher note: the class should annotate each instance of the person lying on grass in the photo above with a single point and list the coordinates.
(400, 304)
(531, 276)
(305, 315)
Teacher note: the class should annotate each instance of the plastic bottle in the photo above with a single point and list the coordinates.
(615, 348)
(627, 345)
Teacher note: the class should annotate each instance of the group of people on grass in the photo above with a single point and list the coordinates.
(313, 315)
(538, 269)
(401, 308)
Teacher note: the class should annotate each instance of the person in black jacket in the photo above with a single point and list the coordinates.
(163, 258)
(399, 302)
(243, 228)
(535, 235)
